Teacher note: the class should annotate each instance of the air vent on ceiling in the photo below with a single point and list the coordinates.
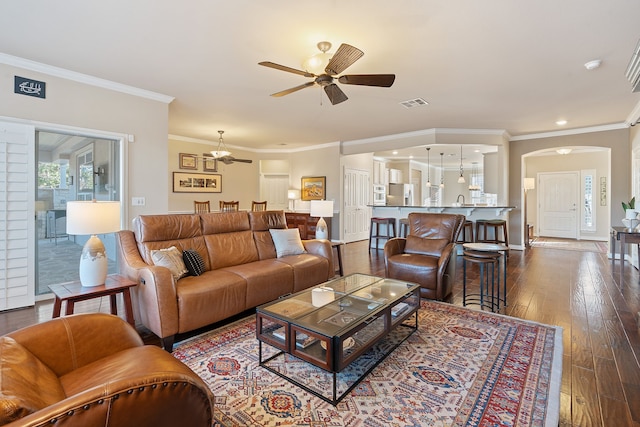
(412, 103)
(633, 70)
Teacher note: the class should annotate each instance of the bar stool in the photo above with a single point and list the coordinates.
(497, 251)
(494, 225)
(404, 227)
(390, 229)
(488, 263)
(467, 228)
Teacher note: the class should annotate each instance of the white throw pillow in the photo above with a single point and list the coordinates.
(287, 241)
(172, 259)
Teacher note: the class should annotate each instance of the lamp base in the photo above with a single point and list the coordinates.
(321, 229)
(93, 263)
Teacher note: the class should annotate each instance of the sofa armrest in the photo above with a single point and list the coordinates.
(66, 343)
(155, 295)
(321, 247)
(162, 399)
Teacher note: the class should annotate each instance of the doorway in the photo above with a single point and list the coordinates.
(356, 198)
(70, 167)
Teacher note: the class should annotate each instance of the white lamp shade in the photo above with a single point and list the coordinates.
(321, 208)
(293, 194)
(92, 217)
(529, 183)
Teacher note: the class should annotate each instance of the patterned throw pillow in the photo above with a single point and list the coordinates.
(193, 261)
(172, 259)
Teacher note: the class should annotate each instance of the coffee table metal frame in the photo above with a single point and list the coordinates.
(364, 312)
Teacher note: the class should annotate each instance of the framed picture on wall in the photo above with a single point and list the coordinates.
(188, 182)
(188, 161)
(313, 188)
(209, 163)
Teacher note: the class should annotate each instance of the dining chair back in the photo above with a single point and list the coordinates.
(202, 207)
(259, 206)
(232, 206)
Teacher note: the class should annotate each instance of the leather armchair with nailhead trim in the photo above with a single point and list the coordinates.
(93, 370)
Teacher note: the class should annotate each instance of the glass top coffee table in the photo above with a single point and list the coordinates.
(343, 328)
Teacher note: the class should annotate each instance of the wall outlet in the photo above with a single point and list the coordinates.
(137, 201)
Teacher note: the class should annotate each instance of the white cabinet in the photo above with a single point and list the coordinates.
(379, 173)
(395, 176)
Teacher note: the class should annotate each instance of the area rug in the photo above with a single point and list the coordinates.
(571, 244)
(462, 367)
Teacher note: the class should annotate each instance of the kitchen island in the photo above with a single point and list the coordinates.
(471, 212)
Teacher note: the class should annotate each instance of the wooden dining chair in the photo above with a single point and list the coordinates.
(259, 206)
(231, 206)
(202, 207)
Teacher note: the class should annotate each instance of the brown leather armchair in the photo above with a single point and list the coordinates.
(427, 255)
(93, 370)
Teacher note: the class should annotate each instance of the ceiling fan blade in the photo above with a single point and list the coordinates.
(227, 160)
(285, 68)
(335, 94)
(382, 80)
(344, 57)
(293, 89)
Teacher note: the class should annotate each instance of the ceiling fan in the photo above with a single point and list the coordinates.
(344, 57)
(222, 154)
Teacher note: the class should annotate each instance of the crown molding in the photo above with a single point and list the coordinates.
(577, 131)
(255, 150)
(634, 116)
(82, 78)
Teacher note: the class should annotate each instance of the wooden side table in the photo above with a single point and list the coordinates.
(72, 292)
(337, 244)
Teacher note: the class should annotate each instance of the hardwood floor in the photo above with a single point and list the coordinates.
(576, 290)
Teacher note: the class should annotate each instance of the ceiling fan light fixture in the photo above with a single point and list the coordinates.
(222, 150)
(317, 63)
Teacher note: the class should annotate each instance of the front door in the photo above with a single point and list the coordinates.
(558, 204)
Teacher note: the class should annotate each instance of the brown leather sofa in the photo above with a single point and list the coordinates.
(242, 270)
(427, 255)
(92, 370)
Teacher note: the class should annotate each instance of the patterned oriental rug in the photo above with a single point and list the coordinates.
(462, 367)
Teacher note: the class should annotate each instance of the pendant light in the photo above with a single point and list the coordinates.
(473, 181)
(441, 171)
(461, 177)
(428, 168)
(222, 150)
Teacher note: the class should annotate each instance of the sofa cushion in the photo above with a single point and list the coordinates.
(420, 246)
(26, 384)
(193, 261)
(172, 259)
(287, 242)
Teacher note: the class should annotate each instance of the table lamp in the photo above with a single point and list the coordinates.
(321, 208)
(91, 218)
(293, 195)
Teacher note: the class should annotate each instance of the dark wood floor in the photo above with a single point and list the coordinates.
(575, 290)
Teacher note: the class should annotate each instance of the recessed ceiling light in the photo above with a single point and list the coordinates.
(561, 122)
(592, 65)
(394, 152)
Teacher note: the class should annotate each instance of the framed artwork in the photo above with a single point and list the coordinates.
(209, 164)
(188, 161)
(189, 182)
(313, 188)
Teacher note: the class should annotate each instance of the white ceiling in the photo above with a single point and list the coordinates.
(500, 64)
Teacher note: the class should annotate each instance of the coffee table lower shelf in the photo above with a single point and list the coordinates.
(296, 370)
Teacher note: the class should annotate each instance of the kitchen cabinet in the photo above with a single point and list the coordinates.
(395, 176)
(379, 172)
